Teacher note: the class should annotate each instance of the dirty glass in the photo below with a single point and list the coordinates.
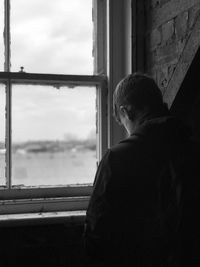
(51, 36)
(1, 35)
(2, 134)
(53, 135)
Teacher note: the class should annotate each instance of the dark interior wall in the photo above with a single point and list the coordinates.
(57, 245)
(187, 102)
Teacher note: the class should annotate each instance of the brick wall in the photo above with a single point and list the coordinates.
(168, 27)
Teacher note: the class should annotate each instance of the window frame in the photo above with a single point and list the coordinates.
(35, 199)
(62, 198)
(112, 33)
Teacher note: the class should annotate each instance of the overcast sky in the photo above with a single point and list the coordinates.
(1, 35)
(49, 36)
(52, 36)
(45, 113)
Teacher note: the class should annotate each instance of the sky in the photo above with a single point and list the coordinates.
(49, 36)
(1, 35)
(46, 113)
(52, 36)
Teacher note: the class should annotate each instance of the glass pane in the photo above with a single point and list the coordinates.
(51, 36)
(54, 135)
(2, 134)
(1, 35)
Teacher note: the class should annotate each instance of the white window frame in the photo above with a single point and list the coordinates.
(47, 199)
(112, 54)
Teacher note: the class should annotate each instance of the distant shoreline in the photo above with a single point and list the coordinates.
(53, 146)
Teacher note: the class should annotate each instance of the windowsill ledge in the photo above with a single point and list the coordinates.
(64, 217)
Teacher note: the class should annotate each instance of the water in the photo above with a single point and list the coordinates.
(53, 168)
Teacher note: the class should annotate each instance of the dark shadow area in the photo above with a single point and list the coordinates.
(44, 245)
(187, 102)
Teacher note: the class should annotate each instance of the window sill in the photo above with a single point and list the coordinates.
(43, 205)
(64, 217)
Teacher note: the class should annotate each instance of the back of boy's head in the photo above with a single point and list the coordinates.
(140, 92)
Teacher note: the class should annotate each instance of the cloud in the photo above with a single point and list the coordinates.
(23, 9)
(50, 125)
(55, 39)
(43, 112)
(51, 36)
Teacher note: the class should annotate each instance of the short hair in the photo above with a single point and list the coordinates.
(140, 92)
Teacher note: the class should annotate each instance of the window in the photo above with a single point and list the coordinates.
(53, 135)
(52, 103)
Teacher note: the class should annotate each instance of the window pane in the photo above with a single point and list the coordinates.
(2, 134)
(51, 36)
(1, 35)
(53, 134)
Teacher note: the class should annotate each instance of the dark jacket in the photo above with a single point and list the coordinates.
(135, 209)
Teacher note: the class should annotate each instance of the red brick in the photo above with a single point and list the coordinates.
(163, 2)
(162, 77)
(169, 53)
(193, 14)
(167, 31)
(181, 23)
(171, 70)
(155, 38)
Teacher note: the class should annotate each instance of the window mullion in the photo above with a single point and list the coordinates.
(14, 79)
(8, 135)
(7, 65)
(7, 36)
